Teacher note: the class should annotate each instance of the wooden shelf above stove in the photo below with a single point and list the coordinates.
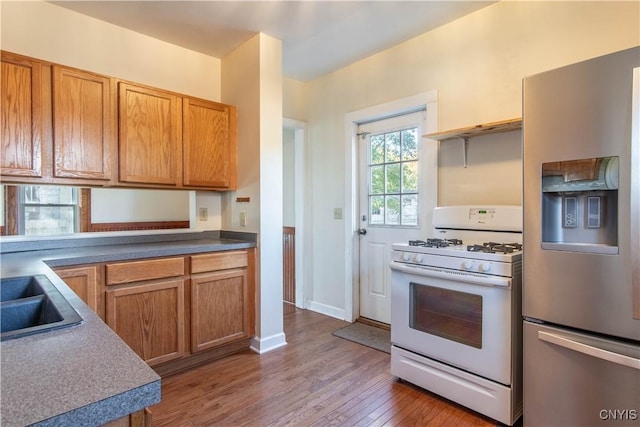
(477, 130)
(463, 134)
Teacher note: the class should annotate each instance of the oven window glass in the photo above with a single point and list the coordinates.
(449, 314)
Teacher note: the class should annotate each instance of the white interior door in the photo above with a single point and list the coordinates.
(392, 203)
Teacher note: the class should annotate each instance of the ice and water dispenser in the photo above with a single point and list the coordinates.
(580, 205)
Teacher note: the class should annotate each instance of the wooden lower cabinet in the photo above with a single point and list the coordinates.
(86, 282)
(192, 308)
(218, 308)
(222, 298)
(150, 318)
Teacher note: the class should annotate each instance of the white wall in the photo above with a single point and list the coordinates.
(138, 205)
(296, 95)
(45, 31)
(288, 181)
(476, 64)
(127, 205)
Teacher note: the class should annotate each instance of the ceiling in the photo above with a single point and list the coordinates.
(318, 37)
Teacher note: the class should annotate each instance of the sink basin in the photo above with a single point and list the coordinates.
(31, 305)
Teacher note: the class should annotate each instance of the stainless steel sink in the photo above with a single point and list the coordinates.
(31, 305)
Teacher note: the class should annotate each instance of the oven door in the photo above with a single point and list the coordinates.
(461, 319)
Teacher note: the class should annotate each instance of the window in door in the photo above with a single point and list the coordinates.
(393, 178)
(48, 210)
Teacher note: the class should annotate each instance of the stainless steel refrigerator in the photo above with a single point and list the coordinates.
(581, 261)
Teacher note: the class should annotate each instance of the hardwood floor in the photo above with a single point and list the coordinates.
(315, 380)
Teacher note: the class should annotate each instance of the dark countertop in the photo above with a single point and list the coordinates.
(84, 375)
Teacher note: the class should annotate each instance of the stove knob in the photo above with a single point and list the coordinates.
(418, 258)
(406, 257)
(485, 267)
(467, 265)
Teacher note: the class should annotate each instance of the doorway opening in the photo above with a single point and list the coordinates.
(294, 241)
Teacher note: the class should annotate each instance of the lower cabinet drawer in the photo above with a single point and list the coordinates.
(219, 261)
(135, 271)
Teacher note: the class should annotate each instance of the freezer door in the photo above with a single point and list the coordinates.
(573, 379)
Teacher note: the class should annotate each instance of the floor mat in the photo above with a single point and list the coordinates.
(368, 335)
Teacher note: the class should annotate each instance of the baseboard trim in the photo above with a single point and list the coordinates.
(264, 345)
(327, 310)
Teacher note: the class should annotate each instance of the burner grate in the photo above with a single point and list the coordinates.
(493, 247)
(436, 243)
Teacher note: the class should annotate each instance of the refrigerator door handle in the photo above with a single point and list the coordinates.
(596, 352)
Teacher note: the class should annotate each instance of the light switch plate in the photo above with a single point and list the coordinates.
(204, 214)
(337, 213)
(243, 219)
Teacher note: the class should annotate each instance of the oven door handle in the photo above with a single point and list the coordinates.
(458, 276)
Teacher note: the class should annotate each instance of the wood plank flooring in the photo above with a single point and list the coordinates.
(315, 380)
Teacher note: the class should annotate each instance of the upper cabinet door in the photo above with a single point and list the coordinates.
(209, 144)
(84, 120)
(21, 112)
(149, 136)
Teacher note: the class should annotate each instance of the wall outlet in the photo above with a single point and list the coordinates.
(243, 219)
(337, 213)
(204, 214)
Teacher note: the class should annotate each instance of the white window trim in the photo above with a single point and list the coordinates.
(427, 100)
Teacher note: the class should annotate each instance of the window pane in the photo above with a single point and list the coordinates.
(44, 195)
(410, 177)
(377, 149)
(392, 146)
(377, 180)
(410, 144)
(49, 219)
(392, 210)
(393, 178)
(376, 209)
(410, 210)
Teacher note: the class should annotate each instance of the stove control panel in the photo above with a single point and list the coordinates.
(474, 217)
(476, 266)
(481, 215)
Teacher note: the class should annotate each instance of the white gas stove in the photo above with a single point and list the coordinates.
(456, 310)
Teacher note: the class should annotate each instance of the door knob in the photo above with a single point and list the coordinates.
(362, 231)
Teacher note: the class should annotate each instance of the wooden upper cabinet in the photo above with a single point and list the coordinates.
(61, 125)
(83, 123)
(149, 136)
(22, 113)
(209, 144)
